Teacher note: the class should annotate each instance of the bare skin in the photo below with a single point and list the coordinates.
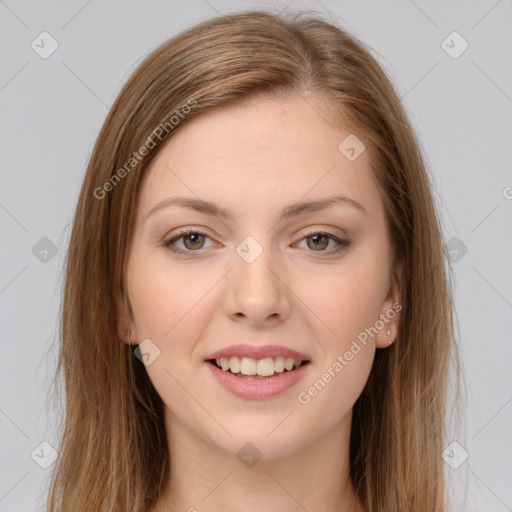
(255, 159)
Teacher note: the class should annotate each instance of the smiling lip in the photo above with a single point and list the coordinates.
(257, 352)
(258, 389)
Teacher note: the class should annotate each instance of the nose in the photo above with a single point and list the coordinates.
(257, 292)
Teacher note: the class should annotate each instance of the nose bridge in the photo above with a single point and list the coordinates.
(257, 289)
(253, 262)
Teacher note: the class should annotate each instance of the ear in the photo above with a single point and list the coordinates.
(391, 307)
(125, 323)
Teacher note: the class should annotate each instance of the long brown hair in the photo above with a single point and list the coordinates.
(113, 454)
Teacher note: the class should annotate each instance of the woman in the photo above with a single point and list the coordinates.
(256, 309)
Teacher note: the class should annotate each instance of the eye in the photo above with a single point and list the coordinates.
(193, 240)
(320, 241)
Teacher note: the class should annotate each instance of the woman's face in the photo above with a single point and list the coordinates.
(265, 271)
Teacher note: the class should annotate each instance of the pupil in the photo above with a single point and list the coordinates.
(316, 238)
(192, 236)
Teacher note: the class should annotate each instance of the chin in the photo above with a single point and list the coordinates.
(266, 438)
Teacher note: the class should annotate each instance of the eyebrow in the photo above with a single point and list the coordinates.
(292, 210)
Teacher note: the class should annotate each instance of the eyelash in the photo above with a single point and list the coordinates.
(342, 243)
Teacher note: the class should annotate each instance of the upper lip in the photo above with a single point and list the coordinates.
(257, 352)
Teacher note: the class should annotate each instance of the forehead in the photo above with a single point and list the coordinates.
(259, 153)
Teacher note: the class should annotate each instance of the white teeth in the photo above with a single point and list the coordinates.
(265, 367)
(248, 366)
(234, 364)
(289, 362)
(279, 364)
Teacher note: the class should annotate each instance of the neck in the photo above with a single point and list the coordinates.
(207, 478)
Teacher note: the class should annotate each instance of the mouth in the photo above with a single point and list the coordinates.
(258, 369)
(258, 372)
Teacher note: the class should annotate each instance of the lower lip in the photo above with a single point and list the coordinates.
(258, 389)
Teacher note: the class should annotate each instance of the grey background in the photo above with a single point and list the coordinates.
(52, 110)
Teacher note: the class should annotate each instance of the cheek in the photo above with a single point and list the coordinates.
(161, 296)
(349, 304)
(331, 393)
(349, 300)
(164, 300)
